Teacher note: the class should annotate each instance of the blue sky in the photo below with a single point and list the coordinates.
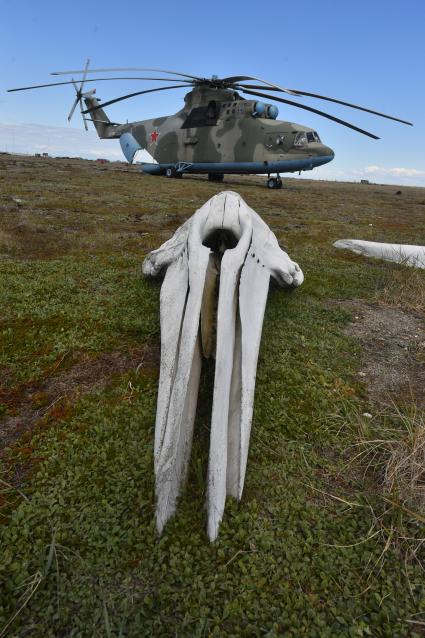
(370, 53)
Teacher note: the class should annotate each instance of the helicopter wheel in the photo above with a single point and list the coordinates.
(274, 182)
(215, 177)
(170, 172)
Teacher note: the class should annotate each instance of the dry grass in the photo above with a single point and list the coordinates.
(405, 465)
(391, 446)
(390, 451)
(387, 458)
(402, 287)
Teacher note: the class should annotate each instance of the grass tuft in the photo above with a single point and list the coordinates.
(402, 287)
(388, 451)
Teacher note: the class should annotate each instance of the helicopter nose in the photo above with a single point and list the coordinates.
(326, 151)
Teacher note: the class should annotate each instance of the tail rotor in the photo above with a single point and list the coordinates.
(79, 96)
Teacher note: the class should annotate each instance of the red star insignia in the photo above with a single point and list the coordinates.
(154, 136)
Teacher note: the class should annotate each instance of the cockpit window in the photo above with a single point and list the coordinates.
(312, 136)
(306, 137)
(300, 139)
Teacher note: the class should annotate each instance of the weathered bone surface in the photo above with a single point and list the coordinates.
(400, 253)
(213, 297)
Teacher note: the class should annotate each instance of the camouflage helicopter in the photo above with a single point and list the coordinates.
(217, 131)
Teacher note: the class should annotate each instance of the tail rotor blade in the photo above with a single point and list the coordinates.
(82, 115)
(85, 74)
(74, 106)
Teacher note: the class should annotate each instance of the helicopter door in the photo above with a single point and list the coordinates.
(190, 141)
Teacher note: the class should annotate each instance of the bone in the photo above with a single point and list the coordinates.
(209, 307)
(224, 249)
(400, 253)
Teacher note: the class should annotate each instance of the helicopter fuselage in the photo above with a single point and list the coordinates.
(217, 131)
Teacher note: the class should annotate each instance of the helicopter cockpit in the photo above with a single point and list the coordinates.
(306, 137)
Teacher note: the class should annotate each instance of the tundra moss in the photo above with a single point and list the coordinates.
(58, 307)
(79, 552)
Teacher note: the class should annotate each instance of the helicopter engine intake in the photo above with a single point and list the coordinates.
(269, 111)
(258, 109)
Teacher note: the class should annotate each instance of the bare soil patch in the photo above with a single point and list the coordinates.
(393, 342)
(34, 402)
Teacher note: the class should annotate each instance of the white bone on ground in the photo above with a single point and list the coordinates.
(244, 281)
(400, 253)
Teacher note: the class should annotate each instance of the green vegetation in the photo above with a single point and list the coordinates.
(306, 552)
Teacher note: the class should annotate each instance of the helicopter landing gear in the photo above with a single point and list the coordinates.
(215, 177)
(171, 172)
(274, 182)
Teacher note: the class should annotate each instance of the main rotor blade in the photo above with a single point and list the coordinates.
(138, 68)
(312, 110)
(241, 78)
(42, 86)
(330, 99)
(255, 86)
(353, 106)
(126, 97)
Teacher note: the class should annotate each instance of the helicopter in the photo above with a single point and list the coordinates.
(218, 131)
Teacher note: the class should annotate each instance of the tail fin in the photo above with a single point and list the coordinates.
(104, 127)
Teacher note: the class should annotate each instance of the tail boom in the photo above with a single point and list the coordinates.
(104, 127)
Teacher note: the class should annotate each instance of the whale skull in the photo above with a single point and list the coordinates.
(224, 248)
